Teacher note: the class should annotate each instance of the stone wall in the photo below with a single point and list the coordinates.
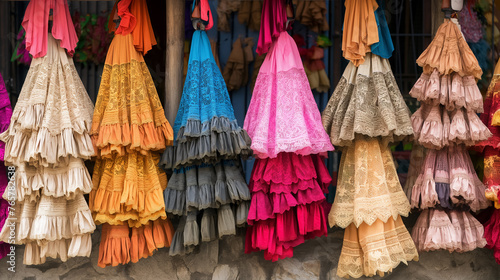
(224, 259)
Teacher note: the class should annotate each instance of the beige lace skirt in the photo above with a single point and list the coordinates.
(51, 227)
(53, 115)
(367, 101)
(375, 249)
(368, 186)
(47, 141)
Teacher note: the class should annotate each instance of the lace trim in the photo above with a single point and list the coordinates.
(373, 106)
(375, 254)
(283, 116)
(129, 112)
(368, 186)
(204, 96)
(208, 142)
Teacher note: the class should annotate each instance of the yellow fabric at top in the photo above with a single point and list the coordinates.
(360, 29)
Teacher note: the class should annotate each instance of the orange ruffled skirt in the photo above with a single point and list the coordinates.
(128, 114)
(449, 52)
(129, 131)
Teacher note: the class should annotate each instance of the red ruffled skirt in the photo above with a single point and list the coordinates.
(287, 204)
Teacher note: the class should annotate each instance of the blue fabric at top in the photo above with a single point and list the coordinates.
(384, 47)
(205, 93)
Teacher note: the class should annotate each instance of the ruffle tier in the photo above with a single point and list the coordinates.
(492, 234)
(368, 186)
(367, 101)
(128, 188)
(452, 230)
(287, 204)
(435, 128)
(417, 158)
(121, 244)
(447, 178)
(283, 115)
(207, 142)
(41, 148)
(49, 219)
(51, 120)
(69, 181)
(375, 249)
(52, 227)
(214, 199)
(205, 186)
(452, 91)
(36, 253)
(128, 114)
(449, 52)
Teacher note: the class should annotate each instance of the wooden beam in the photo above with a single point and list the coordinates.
(175, 57)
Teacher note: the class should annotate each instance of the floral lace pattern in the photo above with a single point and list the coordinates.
(376, 249)
(128, 111)
(46, 141)
(204, 96)
(368, 186)
(283, 116)
(373, 106)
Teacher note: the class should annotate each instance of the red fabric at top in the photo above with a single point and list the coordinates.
(272, 23)
(206, 14)
(36, 24)
(128, 20)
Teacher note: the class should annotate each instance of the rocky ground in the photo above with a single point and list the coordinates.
(224, 259)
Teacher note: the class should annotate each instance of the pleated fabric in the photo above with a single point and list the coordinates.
(129, 132)
(365, 114)
(447, 187)
(207, 188)
(289, 177)
(46, 144)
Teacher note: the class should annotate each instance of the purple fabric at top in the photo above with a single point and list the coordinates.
(5, 113)
(272, 23)
(4, 248)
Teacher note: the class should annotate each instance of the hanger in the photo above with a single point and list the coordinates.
(198, 23)
(290, 14)
(451, 7)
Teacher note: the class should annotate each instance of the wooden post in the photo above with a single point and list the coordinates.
(175, 57)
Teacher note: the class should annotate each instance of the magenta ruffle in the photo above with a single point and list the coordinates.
(492, 234)
(287, 204)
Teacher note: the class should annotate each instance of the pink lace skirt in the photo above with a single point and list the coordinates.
(283, 115)
(287, 204)
(452, 230)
